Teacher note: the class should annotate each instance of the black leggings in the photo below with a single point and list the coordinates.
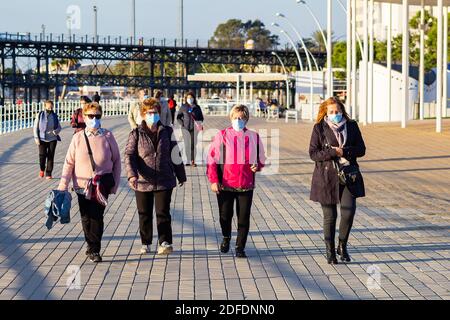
(145, 201)
(92, 220)
(46, 156)
(348, 209)
(243, 207)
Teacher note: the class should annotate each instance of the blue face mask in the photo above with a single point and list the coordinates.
(335, 118)
(152, 118)
(93, 123)
(238, 124)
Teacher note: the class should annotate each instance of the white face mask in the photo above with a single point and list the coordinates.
(238, 124)
(190, 101)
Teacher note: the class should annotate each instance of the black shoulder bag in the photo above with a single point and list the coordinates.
(349, 175)
(107, 179)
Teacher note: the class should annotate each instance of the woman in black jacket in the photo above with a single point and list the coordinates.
(190, 118)
(336, 143)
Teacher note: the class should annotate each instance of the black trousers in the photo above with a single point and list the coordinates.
(243, 200)
(172, 112)
(145, 201)
(190, 141)
(92, 221)
(46, 156)
(348, 209)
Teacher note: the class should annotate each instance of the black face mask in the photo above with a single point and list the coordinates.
(48, 111)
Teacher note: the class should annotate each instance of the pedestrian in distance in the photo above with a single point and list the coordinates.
(77, 121)
(190, 118)
(46, 135)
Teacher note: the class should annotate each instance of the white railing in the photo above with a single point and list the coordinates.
(221, 107)
(18, 117)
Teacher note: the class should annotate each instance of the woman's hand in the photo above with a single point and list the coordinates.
(133, 183)
(339, 151)
(254, 168)
(181, 184)
(215, 188)
(37, 141)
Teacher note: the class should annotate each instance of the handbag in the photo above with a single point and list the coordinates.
(349, 175)
(99, 187)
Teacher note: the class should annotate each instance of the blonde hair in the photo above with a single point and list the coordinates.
(150, 104)
(92, 106)
(324, 106)
(240, 109)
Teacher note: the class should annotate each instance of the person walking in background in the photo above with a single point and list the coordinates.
(96, 97)
(165, 116)
(190, 118)
(172, 107)
(76, 120)
(153, 163)
(134, 117)
(93, 164)
(336, 143)
(46, 135)
(235, 155)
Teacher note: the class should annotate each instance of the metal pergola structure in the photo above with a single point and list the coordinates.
(191, 57)
(367, 95)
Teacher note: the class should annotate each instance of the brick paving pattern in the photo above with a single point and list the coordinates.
(401, 228)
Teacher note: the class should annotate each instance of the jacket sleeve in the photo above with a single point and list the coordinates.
(316, 151)
(58, 129)
(359, 149)
(131, 155)
(261, 154)
(180, 116)
(200, 114)
(35, 126)
(69, 166)
(117, 165)
(177, 160)
(131, 119)
(213, 159)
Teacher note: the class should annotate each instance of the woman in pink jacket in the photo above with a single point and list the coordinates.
(235, 155)
(93, 164)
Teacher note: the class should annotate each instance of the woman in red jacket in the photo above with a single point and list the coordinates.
(235, 155)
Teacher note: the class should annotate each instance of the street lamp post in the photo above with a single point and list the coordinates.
(95, 24)
(288, 94)
(311, 92)
(291, 42)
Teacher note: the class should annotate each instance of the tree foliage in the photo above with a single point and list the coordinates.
(234, 33)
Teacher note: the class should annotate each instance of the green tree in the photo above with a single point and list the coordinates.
(234, 33)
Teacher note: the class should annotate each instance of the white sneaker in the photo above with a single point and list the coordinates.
(165, 248)
(145, 249)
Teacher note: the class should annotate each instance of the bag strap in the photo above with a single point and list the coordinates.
(91, 157)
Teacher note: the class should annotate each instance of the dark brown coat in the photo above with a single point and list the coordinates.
(156, 168)
(325, 183)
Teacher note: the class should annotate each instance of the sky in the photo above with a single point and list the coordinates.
(159, 19)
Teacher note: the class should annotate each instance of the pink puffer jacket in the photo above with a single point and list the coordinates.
(241, 152)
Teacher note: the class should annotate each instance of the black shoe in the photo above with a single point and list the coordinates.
(331, 254)
(95, 257)
(240, 253)
(342, 251)
(225, 246)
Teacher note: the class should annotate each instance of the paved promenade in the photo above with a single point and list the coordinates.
(402, 228)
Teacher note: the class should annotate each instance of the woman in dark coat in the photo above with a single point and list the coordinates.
(190, 118)
(153, 163)
(336, 143)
